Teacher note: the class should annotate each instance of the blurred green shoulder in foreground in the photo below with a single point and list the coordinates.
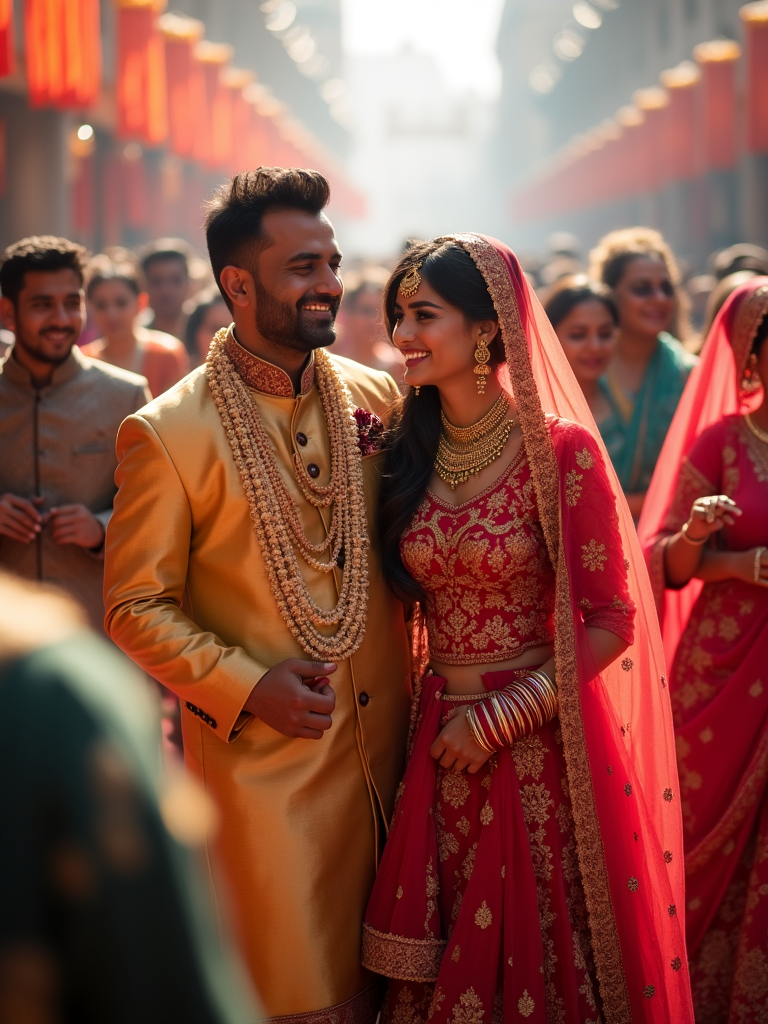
(105, 917)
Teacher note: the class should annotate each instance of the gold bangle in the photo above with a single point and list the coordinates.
(548, 693)
(477, 733)
(502, 720)
(758, 564)
(513, 713)
(693, 541)
(490, 724)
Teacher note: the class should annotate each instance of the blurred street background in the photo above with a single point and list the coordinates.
(514, 117)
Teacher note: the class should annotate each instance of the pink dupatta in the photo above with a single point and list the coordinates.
(617, 725)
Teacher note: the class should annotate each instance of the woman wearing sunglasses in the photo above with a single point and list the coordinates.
(646, 377)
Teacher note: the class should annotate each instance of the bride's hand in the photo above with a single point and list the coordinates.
(456, 748)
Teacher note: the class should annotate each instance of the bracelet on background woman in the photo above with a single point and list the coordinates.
(518, 710)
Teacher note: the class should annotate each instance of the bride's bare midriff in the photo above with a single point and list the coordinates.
(465, 679)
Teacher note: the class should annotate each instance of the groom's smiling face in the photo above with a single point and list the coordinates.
(298, 288)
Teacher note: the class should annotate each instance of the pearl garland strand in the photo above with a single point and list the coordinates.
(276, 517)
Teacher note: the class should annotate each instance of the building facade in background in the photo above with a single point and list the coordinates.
(267, 88)
(581, 78)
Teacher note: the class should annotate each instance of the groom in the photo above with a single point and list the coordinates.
(218, 585)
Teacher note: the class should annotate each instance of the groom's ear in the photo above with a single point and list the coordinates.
(238, 285)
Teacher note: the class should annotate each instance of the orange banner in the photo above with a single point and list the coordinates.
(62, 42)
(755, 18)
(141, 83)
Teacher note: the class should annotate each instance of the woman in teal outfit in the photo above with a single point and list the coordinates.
(646, 377)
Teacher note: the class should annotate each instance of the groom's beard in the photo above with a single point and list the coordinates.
(290, 326)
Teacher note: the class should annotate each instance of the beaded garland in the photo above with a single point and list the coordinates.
(276, 517)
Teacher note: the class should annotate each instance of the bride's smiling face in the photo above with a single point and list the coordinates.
(436, 340)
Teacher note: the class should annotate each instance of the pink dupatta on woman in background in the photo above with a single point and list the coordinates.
(716, 639)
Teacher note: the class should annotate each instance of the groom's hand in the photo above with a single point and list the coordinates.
(295, 698)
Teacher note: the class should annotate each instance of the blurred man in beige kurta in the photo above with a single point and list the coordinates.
(189, 598)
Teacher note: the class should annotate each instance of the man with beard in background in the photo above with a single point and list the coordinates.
(239, 574)
(59, 414)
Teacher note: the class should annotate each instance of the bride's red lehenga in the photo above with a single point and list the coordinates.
(716, 636)
(548, 886)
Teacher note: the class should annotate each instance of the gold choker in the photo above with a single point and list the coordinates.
(463, 452)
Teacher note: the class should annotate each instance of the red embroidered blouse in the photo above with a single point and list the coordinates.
(488, 578)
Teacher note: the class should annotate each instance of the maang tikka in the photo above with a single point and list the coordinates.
(482, 358)
(410, 282)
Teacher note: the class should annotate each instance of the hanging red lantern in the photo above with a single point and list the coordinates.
(213, 141)
(181, 34)
(755, 18)
(683, 142)
(62, 42)
(233, 82)
(7, 45)
(654, 104)
(141, 88)
(718, 108)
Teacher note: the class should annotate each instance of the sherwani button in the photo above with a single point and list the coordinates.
(313, 470)
(363, 698)
(301, 439)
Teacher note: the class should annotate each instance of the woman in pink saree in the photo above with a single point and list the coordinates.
(537, 878)
(705, 533)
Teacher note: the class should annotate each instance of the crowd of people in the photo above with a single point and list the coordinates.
(492, 530)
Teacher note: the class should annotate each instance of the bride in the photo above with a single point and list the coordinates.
(534, 865)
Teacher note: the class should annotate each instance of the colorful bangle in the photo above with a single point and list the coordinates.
(518, 710)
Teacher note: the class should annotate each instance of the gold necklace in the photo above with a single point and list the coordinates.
(463, 452)
(760, 434)
(276, 517)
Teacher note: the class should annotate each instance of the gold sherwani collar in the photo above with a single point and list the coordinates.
(263, 376)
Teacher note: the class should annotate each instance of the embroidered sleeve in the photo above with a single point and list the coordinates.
(591, 533)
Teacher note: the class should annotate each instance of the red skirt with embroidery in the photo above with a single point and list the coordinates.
(478, 913)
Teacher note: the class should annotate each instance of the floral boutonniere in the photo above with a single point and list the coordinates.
(369, 431)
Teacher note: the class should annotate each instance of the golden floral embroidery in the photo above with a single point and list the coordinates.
(399, 893)
(483, 916)
(463, 826)
(525, 1004)
(593, 556)
(469, 1009)
(528, 756)
(627, 664)
(672, 910)
(455, 789)
(585, 604)
(486, 815)
(668, 795)
(456, 954)
(486, 571)
(628, 789)
(667, 856)
(584, 458)
(649, 991)
(402, 958)
(573, 486)
(706, 735)
(633, 885)
(468, 863)
(756, 688)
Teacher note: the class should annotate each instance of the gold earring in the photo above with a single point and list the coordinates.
(417, 390)
(482, 358)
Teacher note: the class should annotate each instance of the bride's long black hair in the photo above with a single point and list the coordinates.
(411, 441)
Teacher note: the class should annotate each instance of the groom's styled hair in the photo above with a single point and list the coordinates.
(234, 216)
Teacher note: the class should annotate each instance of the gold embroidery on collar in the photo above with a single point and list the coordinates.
(264, 376)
